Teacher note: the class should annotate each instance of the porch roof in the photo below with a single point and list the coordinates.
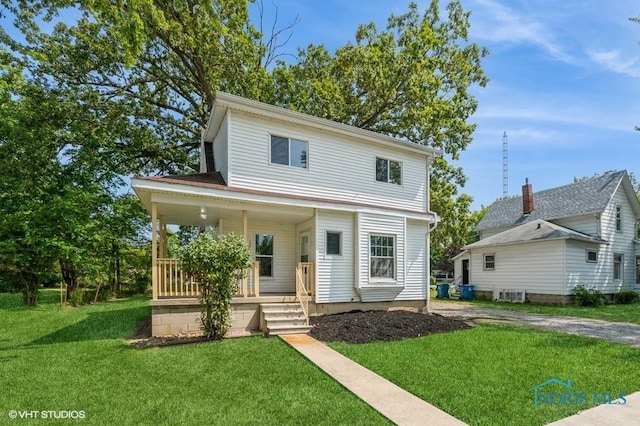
(192, 194)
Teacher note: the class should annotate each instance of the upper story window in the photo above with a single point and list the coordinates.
(388, 171)
(618, 218)
(290, 152)
(489, 262)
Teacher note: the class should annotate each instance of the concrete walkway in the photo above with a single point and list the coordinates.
(618, 332)
(393, 402)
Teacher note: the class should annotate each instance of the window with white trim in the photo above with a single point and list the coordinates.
(592, 256)
(618, 218)
(388, 171)
(618, 266)
(289, 152)
(334, 243)
(264, 254)
(382, 257)
(489, 262)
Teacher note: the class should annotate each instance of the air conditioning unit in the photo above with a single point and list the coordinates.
(506, 295)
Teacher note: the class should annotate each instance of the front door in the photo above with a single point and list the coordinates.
(465, 271)
(637, 271)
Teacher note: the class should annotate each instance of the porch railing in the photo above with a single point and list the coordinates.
(174, 282)
(304, 282)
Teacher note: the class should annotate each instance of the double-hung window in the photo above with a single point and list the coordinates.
(289, 152)
(618, 218)
(489, 262)
(382, 257)
(618, 266)
(264, 254)
(388, 171)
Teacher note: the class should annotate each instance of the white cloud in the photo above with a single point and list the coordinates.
(496, 22)
(613, 60)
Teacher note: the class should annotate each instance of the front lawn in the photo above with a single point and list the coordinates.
(485, 376)
(56, 358)
(612, 312)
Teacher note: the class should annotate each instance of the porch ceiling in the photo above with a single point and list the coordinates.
(181, 214)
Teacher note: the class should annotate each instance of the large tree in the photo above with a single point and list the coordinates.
(145, 75)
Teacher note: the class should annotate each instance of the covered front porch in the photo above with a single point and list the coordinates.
(279, 240)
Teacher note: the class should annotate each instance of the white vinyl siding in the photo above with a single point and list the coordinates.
(533, 267)
(587, 224)
(221, 150)
(335, 273)
(619, 241)
(383, 225)
(340, 167)
(416, 264)
(284, 252)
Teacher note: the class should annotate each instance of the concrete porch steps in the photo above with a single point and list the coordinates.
(282, 318)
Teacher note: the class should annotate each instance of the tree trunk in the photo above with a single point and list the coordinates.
(70, 277)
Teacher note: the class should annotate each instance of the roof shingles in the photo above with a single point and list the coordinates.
(582, 197)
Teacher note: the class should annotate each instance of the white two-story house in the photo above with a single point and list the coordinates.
(334, 211)
(540, 246)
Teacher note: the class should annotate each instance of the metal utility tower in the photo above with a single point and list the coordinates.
(505, 165)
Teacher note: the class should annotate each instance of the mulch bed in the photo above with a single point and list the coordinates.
(373, 326)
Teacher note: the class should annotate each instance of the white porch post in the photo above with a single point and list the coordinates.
(245, 281)
(163, 236)
(154, 251)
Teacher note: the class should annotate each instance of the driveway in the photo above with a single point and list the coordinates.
(618, 332)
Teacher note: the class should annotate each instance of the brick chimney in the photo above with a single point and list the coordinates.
(527, 197)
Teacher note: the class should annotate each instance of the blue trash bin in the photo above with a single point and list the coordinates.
(466, 291)
(442, 291)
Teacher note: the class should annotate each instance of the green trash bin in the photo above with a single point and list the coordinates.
(442, 291)
(466, 291)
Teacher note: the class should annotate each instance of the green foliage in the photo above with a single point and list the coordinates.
(587, 296)
(217, 263)
(625, 297)
(57, 357)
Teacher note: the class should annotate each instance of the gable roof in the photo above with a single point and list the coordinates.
(225, 101)
(534, 231)
(582, 197)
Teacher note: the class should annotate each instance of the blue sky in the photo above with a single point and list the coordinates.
(564, 83)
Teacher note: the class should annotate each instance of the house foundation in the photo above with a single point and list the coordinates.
(181, 317)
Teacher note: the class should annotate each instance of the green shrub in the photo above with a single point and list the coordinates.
(625, 297)
(587, 296)
(217, 263)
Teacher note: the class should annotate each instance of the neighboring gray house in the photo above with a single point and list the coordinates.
(539, 246)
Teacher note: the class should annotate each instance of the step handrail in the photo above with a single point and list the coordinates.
(302, 295)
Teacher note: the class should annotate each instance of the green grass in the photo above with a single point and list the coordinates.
(62, 358)
(485, 375)
(616, 313)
